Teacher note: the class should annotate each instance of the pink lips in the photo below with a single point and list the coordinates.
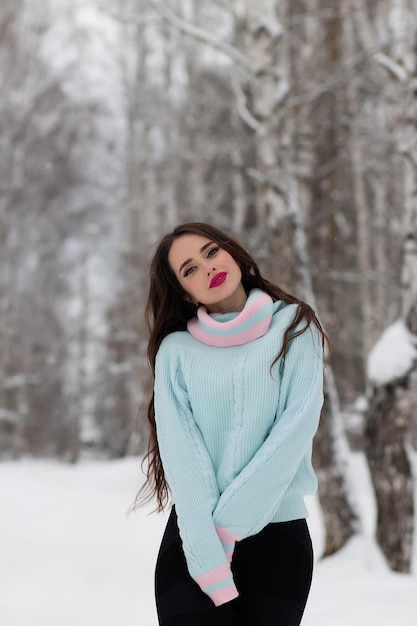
(218, 279)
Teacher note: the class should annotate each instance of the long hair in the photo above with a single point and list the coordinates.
(167, 311)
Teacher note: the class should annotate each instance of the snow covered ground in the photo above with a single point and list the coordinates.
(71, 556)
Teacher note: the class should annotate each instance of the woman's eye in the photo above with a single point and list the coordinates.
(188, 271)
(212, 252)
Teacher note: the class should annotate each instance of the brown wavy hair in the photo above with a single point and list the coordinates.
(167, 310)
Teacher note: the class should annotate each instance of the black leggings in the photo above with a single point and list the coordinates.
(272, 571)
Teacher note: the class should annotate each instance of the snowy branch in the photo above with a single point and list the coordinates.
(394, 68)
(243, 111)
(149, 20)
(222, 4)
(367, 35)
(199, 33)
(308, 16)
(260, 177)
(339, 79)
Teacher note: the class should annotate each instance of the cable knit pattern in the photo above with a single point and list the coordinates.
(235, 440)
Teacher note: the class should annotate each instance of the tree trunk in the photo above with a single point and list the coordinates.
(392, 404)
(340, 518)
(331, 448)
(269, 89)
(387, 423)
(409, 250)
(238, 186)
(170, 158)
(357, 162)
(194, 188)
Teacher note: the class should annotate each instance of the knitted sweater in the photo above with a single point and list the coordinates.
(235, 439)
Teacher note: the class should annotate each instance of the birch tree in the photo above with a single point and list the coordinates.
(31, 344)
(276, 120)
(357, 162)
(393, 400)
(331, 448)
(269, 88)
(171, 170)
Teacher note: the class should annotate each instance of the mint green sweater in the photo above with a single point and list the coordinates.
(235, 440)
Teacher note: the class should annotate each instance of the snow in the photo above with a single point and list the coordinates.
(71, 555)
(393, 355)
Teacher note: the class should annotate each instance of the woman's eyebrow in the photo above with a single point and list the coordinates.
(206, 245)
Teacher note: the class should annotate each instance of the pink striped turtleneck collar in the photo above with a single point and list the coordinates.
(235, 328)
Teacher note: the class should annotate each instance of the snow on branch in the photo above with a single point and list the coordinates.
(271, 26)
(199, 33)
(8, 417)
(242, 108)
(148, 20)
(343, 75)
(393, 355)
(394, 68)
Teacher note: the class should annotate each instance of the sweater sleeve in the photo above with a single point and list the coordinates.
(248, 504)
(190, 475)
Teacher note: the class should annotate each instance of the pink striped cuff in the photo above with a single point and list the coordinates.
(218, 584)
(228, 539)
(224, 595)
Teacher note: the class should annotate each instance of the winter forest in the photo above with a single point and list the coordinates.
(290, 124)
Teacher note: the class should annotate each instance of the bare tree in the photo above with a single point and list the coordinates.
(331, 448)
(269, 90)
(393, 397)
(359, 196)
(290, 123)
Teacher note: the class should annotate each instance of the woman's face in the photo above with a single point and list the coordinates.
(208, 274)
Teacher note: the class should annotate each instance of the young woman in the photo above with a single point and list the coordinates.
(238, 390)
